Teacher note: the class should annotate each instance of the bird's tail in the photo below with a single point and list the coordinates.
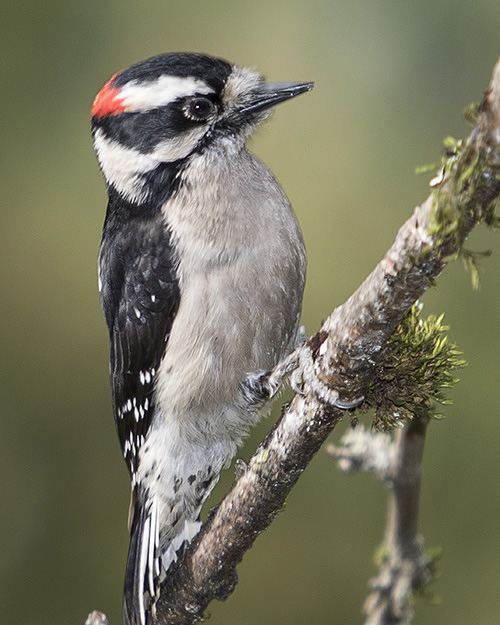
(148, 560)
(142, 575)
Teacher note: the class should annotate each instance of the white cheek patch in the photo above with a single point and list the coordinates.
(144, 96)
(122, 167)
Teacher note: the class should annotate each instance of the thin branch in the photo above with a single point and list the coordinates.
(405, 567)
(336, 366)
(365, 450)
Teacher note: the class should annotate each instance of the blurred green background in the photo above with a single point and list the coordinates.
(392, 79)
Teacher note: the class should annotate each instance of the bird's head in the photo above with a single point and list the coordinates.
(162, 111)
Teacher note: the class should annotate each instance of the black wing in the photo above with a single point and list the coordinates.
(140, 297)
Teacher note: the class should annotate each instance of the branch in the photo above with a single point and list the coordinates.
(368, 451)
(337, 364)
(207, 570)
(405, 567)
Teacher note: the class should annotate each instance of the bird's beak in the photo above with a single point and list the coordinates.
(268, 94)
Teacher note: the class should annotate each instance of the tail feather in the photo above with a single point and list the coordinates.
(142, 576)
(148, 560)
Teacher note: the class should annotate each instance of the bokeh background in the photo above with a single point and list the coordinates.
(392, 79)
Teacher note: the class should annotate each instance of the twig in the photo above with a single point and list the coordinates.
(405, 567)
(367, 451)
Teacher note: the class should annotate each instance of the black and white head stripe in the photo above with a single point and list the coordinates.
(138, 97)
(158, 81)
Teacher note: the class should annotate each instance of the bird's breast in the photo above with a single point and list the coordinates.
(241, 276)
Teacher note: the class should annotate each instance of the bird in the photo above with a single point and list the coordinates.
(201, 277)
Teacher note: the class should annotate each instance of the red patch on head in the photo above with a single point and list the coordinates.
(108, 101)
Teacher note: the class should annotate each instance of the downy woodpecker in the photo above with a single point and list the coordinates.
(201, 276)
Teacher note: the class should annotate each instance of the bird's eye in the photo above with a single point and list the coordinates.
(199, 109)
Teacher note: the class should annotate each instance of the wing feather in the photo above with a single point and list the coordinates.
(140, 297)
